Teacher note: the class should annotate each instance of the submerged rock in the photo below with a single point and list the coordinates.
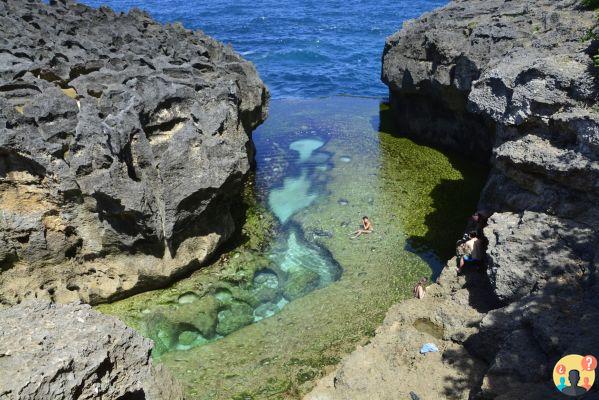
(162, 331)
(51, 351)
(201, 314)
(299, 282)
(234, 318)
(123, 143)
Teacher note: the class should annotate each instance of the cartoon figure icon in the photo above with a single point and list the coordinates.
(586, 383)
(574, 374)
(574, 389)
(562, 383)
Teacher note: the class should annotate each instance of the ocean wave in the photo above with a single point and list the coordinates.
(301, 49)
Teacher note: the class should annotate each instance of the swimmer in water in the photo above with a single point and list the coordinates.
(366, 228)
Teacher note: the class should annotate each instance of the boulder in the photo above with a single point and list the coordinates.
(123, 144)
(299, 282)
(201, 314)
(525, 250)
(53, 351)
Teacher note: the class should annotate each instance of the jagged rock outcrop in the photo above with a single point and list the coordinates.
(53, 351)
(511, 83)
(123, 143)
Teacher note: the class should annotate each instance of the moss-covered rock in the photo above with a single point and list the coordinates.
(300, 282)
(265, 310)
(265, 294)
(187, 298)
(234, 318)
(162, 332)
(241, 267)
(186, 338)
(202, 314)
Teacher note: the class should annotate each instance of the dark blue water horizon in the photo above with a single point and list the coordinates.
(302, 49)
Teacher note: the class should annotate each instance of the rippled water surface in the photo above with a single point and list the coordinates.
(304, 48)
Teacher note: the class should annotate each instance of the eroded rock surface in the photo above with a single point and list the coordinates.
(511, 83)
(53, 351)
(390, 367)
(123, 143)
(526, 250)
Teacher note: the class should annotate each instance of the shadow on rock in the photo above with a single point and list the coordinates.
(522, 341)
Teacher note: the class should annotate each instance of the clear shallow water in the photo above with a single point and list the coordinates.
(304, 48)
(266, 318)
(296, 294)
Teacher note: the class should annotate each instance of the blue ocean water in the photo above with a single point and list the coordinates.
(304, 48)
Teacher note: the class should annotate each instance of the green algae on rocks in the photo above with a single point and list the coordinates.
(190, 308)
(418, 199)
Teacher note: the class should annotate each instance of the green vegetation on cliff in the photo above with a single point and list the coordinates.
(594, 4)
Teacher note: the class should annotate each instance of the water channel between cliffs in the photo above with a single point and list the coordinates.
(267, 318)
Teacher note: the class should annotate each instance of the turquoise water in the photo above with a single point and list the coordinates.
(266, 318)
(304, 48)
(288, 269)
(292, 197)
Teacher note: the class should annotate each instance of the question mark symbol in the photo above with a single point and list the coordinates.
(589, 363)
(561, 369)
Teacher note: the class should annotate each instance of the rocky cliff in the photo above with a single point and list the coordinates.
(511, 83)
(123, 144)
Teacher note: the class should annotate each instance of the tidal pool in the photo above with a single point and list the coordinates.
(294, 296)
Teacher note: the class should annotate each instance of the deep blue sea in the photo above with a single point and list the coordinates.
(303, 48)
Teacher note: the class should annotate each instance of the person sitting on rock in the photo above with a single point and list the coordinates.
(420, 289)
(474, 253)
(366, 228)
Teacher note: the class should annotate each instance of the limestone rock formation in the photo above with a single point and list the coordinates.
(52, 351)
(526, 250)
(511, 83)
(123, 143)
